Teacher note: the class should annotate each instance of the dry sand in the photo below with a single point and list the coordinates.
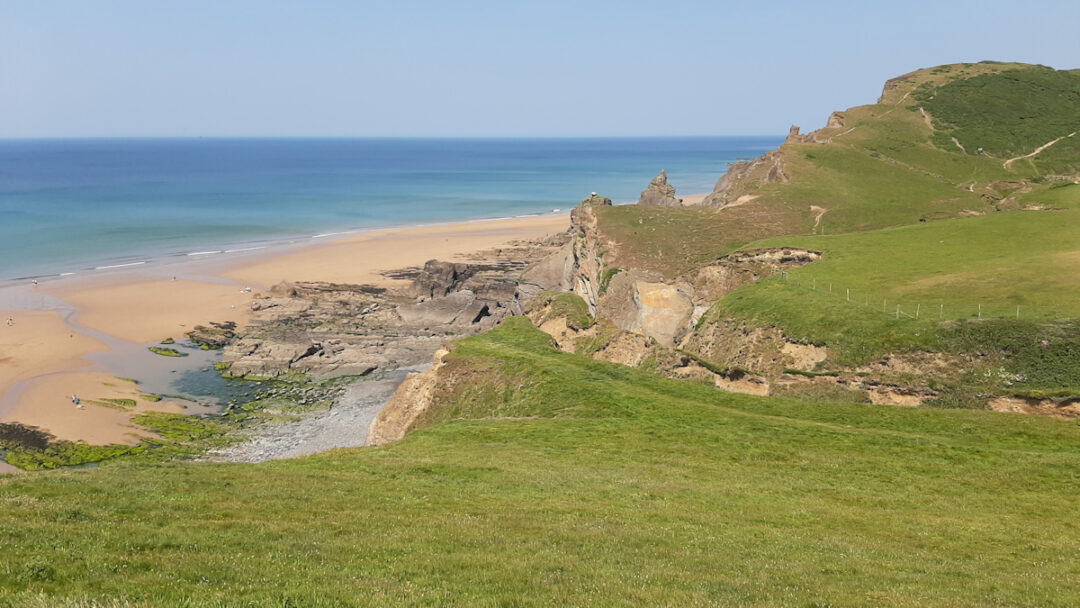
(151, 310)
(44, 356)
(362, 258)
(693, 199)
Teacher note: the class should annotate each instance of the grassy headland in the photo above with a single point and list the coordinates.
(561, 480)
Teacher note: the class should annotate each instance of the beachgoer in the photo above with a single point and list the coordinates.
(10, 321)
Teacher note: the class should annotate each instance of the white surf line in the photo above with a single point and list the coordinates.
(1005, 165)
(245, 249)
(204, 252)
(119, 265)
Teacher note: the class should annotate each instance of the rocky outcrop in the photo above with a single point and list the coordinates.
(794, 137)
(438, 279)
(326, 329)
(214, 336)
(457, 308)
(660, 193)
(554, 272)
(744, 176)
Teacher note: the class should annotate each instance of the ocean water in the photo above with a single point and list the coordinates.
(70, 206)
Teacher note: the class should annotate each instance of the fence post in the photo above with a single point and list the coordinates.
(980, 311)
(917, 308)
(848, 294)
(814, 287)
(1017, 311)
(941, 312)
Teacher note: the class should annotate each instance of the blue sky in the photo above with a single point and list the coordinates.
(486, 69)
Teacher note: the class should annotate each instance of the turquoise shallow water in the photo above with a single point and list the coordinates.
(74, 205)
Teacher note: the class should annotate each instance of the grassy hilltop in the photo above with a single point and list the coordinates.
(548, 478)
(889, 164)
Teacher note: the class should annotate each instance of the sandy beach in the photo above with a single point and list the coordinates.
(43, 356)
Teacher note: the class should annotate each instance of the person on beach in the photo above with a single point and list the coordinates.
(10, 321)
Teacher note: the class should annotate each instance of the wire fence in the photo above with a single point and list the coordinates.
(938, 309)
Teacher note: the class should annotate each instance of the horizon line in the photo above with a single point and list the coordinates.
(368, 137)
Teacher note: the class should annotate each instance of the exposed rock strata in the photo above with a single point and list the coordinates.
(325, 329)
(587, 251)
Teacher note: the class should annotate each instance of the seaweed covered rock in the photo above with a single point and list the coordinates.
(215, 337)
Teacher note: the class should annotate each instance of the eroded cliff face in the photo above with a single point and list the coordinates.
(587, 251)
(734, 187)
(416, 395)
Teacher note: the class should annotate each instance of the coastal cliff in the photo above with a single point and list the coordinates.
(694, 293)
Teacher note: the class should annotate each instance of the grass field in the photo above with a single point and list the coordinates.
(1022, 268)
(598, 485)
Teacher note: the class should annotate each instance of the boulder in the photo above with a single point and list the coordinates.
(660, 193)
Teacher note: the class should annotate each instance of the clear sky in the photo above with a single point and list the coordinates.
(77, 68)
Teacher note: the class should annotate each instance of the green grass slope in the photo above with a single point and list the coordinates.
(558, 480)
(1010, 113)
(910, 157)
(1013, 266)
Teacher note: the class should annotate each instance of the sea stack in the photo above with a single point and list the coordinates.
(659, 193)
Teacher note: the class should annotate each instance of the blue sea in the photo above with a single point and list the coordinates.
(70, 206)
